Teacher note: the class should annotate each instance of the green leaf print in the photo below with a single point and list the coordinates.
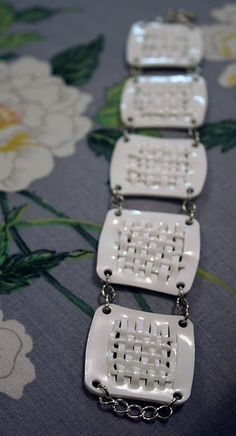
(102, 141)
(7, 16)
(78, 227)
(221, 133)
(109, 114)
(16, 40)
(10, 219)
(3, 244)
(35, 14)
(212, 278)
(39, 13)
(76, 65)
(15, 214)
(8, 56)
(19, 270)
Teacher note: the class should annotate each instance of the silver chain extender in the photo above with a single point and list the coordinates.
(135, 411)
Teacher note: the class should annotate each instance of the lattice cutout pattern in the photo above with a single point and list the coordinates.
(160, 42)
(141, 353)
(151, 249)
(157, 166)
(168, 99)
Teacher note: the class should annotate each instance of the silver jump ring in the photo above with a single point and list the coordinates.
(134, 408)
(165, 407)
(151, 411)
(121, 406)
(104, 389)
(108, 292)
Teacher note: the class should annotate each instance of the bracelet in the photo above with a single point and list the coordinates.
(132, 354)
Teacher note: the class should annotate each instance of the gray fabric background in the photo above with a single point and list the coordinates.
(56, 403)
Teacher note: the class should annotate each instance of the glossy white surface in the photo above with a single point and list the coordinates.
(156, 44)
(149, 250)
(159, 167)
(164, 101)
(140, 355)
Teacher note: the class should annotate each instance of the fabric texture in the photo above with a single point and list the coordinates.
(49, 231)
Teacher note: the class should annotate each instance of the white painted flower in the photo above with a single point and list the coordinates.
(40, 117)
(220, 42)
(227, 79)
(226, 14)
(16, 370)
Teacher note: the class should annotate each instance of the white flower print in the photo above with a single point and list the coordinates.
(16, 370)
(228, 76)
(226, 14)
(40, 118)
(220, 42)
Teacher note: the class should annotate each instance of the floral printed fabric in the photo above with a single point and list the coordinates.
(40, 118)
(220, 42)
(226, 14)
(16, 370)
(228, 76)
(49, 232)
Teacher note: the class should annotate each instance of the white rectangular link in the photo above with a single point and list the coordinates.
(149, 250)
(148, 166)
(139, 355)
(156, 44)
(171, 101)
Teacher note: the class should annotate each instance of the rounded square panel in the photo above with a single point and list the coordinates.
(150, 250)
(139, 355)
(148, 166)
(168, 101)
(156, 44)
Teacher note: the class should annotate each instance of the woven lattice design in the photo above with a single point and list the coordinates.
(156, 166)
(141, 353)
(165, 99)
(150, 249)
(160, 42)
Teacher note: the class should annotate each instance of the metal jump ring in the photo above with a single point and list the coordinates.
(121, 406)
(165, 407)
(134, 407)
(149, 409)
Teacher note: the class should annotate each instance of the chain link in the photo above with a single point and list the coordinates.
(128, 128)
(181, 16)
(108, 293)
(189, 207)
(135, 411)
(117, 200)
(135, 72)
(194, 134)
(182, 306)
(126, 135)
